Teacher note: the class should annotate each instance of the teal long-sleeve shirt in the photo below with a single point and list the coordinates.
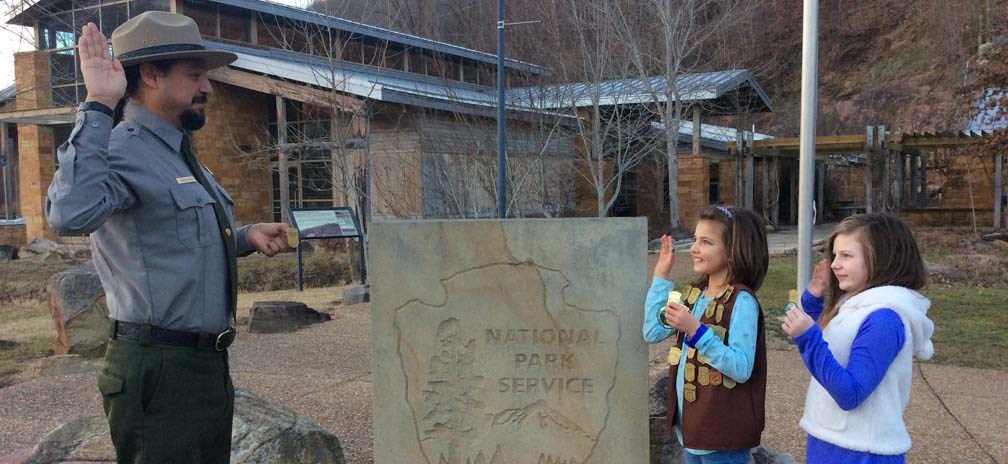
(734, 358)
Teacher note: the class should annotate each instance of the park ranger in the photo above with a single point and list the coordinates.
(162, 237)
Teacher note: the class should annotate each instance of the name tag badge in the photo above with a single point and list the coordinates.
(185, 180)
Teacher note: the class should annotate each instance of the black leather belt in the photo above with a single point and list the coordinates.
(202, 340)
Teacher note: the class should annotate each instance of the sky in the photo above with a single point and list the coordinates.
(11, 41)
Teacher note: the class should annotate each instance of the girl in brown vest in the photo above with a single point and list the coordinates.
(717, 362)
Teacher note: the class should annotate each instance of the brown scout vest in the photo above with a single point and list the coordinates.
(718, 413)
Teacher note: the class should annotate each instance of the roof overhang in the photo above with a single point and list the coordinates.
(42, 117)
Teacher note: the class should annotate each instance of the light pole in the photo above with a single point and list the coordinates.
(806, 157)
(501, 141)
(501, 107)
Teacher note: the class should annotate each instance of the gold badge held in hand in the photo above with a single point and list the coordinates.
(674, 297)
(792, 295)
(293, 238)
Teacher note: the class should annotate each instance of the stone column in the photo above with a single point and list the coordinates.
(36, 150)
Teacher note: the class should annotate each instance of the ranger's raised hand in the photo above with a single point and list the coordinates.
(104, 78)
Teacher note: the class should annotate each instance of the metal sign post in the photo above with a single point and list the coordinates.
(322, 223)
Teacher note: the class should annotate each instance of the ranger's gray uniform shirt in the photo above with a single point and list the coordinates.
(155, 239)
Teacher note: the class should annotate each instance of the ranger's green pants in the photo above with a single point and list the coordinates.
(167, 404)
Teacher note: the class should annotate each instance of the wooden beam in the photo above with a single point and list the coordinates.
(739, 160)
(869, 147)
(281, 116)
(696, 129)
(886, 187)
(749, 171)
(901, 183)
(766, 187)
(914, 197)
(775, 212)
(8, 169)
(998, 173)
(820, 201)
(288, 90)
(42, 116)
(253, 29)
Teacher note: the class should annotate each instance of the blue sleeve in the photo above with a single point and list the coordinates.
(86, 189)
(812, 305)
(657, 297)
(875, 346)
(242, 245)
(734, 359)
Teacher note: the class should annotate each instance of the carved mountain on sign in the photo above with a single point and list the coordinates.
(542, 415)
(497, 458)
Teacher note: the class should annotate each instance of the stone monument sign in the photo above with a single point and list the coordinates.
(513, 341)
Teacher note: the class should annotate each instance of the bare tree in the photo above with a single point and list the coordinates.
(675, 47)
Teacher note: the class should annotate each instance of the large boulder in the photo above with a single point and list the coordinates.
(282, 316)
(39, 249)
(761, 455)
(262, 433)
(79, 312)
(356, 295)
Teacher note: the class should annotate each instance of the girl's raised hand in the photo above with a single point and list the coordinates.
(666, 258)
(796, 321)
(820, 279)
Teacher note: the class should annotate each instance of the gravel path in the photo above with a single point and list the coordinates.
(324, 373)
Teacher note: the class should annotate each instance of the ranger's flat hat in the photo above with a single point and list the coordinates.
(160, 35)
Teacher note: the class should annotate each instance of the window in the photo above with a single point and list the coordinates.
(58, 33)
(309, 169)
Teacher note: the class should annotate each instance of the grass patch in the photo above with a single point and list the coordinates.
(971, 324)
(27, 335)
(25, 280)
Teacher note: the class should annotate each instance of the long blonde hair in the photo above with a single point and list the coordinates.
(891, 257)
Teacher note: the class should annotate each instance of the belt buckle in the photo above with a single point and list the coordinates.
(224, 339)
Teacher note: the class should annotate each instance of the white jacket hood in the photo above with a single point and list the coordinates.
(909, 304)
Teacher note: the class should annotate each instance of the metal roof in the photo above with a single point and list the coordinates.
(990, 115)
(368, 82)
(7, 94)
(711, 136)
(24, 13)
(722, 92)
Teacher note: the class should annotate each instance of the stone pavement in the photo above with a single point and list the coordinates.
(956, 415)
